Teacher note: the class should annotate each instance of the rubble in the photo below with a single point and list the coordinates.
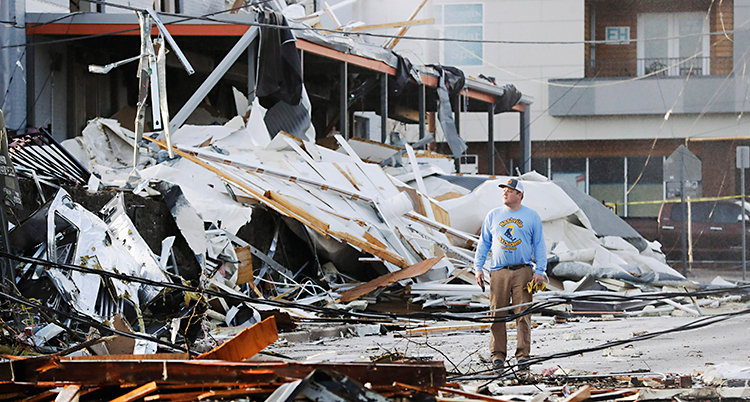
(372, 239)
(274, 239)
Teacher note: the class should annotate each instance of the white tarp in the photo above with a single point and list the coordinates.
(558, 212)
(468, 212)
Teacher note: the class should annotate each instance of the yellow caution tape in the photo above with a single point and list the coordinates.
(728, 197)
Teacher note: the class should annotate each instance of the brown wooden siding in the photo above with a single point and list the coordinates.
(722, 19)
(587, 31)
(625, 13)
(616, 13)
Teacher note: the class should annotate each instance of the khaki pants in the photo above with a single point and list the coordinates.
(507, 285)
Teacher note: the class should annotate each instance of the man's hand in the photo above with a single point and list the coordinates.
(480, 277)
(538, 278)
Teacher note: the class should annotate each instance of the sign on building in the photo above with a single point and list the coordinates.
(617, 35)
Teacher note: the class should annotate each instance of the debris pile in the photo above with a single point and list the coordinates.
(361, 243)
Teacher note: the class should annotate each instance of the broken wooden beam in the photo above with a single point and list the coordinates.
(583, 393)
(388, 279)
(54, 371)
(393, 24)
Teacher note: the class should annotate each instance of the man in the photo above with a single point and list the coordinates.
(514, 234)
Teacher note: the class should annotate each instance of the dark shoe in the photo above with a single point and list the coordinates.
(498, 364)
(524, 364)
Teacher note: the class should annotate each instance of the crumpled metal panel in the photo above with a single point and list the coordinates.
(96, 247)
(123, 229)
(346, 45)
(325, 386)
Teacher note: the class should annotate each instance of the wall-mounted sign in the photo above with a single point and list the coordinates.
(617, 35)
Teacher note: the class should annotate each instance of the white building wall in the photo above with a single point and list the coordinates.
(142, 4)
(418, 51)
(203, 7)
(528, 66)
(47, 6)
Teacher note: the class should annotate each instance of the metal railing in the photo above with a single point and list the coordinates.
(661, 67)
(39, 152)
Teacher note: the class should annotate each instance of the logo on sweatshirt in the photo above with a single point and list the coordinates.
(507, 239)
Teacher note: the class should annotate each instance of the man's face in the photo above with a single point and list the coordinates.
(512, 198)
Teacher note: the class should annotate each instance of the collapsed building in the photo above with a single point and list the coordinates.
(200, 242)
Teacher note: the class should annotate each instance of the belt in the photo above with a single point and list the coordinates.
(517, 266)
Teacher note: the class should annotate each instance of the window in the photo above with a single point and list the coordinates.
(539, 165)
(645, 185)
(699, 212)
(469, 164)
(676, 43)
(605, 183)
(726, 213)
(461, 21)
(571, 170)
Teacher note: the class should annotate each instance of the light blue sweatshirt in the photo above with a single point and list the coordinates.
(515, 237)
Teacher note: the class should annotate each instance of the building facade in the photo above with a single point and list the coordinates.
(617, 87)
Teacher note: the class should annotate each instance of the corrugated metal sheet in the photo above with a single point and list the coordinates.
(603, 220)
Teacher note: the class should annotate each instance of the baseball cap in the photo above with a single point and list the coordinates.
(514, 184)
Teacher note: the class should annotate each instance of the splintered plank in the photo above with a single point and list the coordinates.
(176, 397)
(155, 356)
(441, 215)
(230, 393)
(137, 393)
(454, 391)
(474, 395)
(217, 391)
(69, 393)
(372, 239)
(389, 278)
(441, 329)
(582, 394)
(246, 344)
(245, 269)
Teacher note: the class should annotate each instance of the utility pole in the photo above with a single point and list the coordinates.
(684, 215)
(743, 162)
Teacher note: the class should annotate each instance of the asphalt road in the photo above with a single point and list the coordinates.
(684, 352)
